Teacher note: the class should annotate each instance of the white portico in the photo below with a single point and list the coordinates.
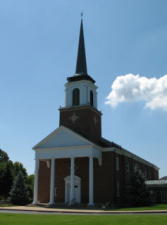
(64, 143)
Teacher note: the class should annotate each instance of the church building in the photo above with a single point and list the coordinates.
(75, 164)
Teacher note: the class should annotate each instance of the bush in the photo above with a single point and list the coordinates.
(137, 192)
(19, 193)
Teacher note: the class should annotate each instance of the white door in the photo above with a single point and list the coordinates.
(76, 193)
(77, 189)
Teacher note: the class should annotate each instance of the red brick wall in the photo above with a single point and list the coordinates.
(62, 170)
(105, 178)
(85, 124)
(43, 182)
(104, 187)
(123, 176)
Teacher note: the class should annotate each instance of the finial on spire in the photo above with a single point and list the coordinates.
(81, 15)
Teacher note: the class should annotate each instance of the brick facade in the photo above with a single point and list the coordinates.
(105, 178)
(43, 182)
(87, 124)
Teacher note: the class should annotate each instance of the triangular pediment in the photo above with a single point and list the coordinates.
(62, 137)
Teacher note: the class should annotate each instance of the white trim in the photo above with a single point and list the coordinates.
(35, 197)
(52, 182)
(59, 129)
(72, 200)
(79, 83)
(69, 152)
(91, 181)
(63, 148)
(84, 87)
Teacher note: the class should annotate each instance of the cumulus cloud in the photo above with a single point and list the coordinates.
(134, 88)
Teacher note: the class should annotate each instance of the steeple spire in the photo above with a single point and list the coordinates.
(81, 67)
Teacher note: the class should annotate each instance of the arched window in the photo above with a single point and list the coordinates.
(91, 98)
(127, 166)
(75, 97)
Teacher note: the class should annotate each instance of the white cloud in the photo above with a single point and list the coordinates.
(133, 88)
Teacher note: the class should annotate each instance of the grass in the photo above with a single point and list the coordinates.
(153, 207)
(30, 219)
(6, 205)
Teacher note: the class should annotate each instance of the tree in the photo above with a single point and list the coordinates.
(8, 172)
(3, 156)
(17, 167)
(30, 186)
(19, 193)
(6, 178)
(137, 192)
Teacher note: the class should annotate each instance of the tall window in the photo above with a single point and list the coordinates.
(91, 98)
(127, 166)
(117, 163)
(117, 189)
(75, 97)
(145, 173)
(149, 174)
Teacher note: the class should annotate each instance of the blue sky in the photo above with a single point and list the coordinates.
(125, 47)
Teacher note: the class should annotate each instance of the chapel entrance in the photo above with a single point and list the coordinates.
(77, 189)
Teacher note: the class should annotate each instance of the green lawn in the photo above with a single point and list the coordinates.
(154, 207)
(27, 219)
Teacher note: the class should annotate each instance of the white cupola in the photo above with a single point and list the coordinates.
(80, 89)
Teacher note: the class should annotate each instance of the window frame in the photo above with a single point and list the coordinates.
(117, 189)
(76, 97)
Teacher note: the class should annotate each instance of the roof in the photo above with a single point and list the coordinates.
(106, 143)
(156, 183)
(80, 77)
(112, 146)
(81, 67)
(164, 178)
(60, 133)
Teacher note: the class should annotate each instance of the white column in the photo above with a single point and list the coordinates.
(91, 181)
(95, 99)
(70, 96)
(89, 95)
(82, 95)
(52, 182)
(72, 182)
(66, 95)
(35, 197)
